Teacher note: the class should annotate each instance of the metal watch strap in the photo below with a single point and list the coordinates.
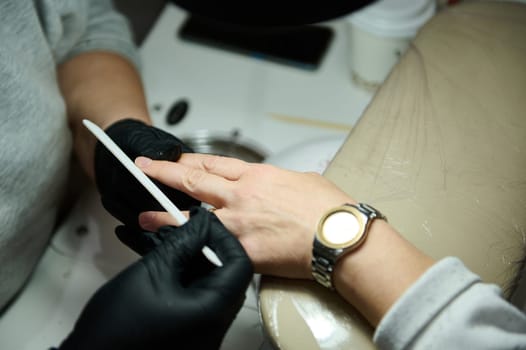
(322, 266)
(324, 258)
(370, 212)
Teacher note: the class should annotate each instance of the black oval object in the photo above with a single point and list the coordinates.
(271, 12)
(177, 112)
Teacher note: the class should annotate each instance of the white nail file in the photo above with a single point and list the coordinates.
(146, 182)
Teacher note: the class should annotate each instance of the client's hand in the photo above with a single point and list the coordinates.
(172, 297)
(121, 194)
(273, 212)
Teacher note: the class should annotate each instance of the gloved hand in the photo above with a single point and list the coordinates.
(121, 194)
(172, 298)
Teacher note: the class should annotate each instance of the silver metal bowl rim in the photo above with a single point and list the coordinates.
(225, 136)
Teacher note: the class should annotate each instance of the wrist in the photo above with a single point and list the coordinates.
(377, 273)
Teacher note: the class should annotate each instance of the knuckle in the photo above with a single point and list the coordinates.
(210, 163)
(193, 179)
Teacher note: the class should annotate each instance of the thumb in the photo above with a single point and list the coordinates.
(237, 270)
(181, 248)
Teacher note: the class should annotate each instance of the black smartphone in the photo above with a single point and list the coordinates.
(299, 46)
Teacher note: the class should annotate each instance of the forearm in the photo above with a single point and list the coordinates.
(103, 87)
(374, 276)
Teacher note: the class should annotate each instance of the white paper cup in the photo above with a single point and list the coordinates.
(380, 33)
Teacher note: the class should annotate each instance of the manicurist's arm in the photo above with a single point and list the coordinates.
(99, 79)
(98, 74)
(103, 87)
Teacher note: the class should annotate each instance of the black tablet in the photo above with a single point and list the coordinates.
(299, 46)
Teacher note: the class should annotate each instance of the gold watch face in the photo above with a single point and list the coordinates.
(341, 227)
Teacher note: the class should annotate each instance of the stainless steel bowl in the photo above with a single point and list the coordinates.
(229, 144)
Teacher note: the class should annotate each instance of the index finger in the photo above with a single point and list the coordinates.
(226, 167)
(206, 187)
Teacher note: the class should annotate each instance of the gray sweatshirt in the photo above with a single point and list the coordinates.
(450, 308)
(35, 142)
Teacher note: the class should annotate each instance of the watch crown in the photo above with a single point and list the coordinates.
(371, 212)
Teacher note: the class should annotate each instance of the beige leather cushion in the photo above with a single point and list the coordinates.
(441, 150)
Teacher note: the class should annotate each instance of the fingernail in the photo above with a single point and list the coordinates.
(142, 162)
(146, 219)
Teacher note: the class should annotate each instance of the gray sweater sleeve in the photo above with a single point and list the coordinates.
(450, 308)
(75, 27)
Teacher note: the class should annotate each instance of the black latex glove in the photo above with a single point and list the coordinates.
(121, 194)
(172, 298)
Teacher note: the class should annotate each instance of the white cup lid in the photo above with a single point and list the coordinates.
(394, 18)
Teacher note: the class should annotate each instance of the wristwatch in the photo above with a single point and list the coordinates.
(340, 230)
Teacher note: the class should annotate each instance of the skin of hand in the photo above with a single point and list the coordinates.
(172, 297)
(269, 209)
(275, 212)
(104, 88)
